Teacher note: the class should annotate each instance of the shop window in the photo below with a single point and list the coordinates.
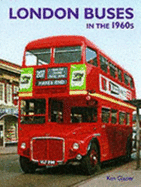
(11, 130)
(113, 116)
(105, 115)
(91, 56)
(122, 118)
(83, 114)
(2, 92)
(103, 63)
(16, 89)
(112, 70)
(9, 93)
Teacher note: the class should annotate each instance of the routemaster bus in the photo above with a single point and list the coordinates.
(72, 107)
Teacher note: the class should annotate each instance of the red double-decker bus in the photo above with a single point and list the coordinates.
(71, 105)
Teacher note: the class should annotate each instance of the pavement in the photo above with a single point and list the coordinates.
(8, 150)
(123, 176)
(126, 175)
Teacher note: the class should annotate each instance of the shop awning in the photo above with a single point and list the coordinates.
(4, 114)
(135, 102)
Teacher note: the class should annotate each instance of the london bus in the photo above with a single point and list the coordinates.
(72, 107)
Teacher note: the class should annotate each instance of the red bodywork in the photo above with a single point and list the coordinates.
(51, 143)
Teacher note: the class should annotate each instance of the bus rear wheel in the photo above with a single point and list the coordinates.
(91, 162)
(26, 165)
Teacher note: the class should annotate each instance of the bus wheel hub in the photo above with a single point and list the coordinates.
(93, 158)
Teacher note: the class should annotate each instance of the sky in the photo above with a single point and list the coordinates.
(123, 45)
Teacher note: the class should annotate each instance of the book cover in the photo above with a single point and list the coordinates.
(112, 26)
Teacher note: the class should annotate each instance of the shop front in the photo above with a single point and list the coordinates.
(8, 126)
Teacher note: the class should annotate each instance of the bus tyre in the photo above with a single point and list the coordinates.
(128, 151)
(91, 162)
(26, 165)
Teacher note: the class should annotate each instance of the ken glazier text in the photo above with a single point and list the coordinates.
(119, 178)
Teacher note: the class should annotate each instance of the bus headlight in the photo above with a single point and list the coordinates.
(75, 146)
(23, 145)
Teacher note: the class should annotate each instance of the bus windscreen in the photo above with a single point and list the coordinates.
(38, 57)
(67, 54)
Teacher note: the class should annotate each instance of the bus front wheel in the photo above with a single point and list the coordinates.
(91, 162)
(26, 165)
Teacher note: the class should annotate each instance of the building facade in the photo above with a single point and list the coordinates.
(9, 86)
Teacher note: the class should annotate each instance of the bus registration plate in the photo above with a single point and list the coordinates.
(49, 162)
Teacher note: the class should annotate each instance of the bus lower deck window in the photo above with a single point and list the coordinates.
(113, 116)
(122, 117)
(83, 114)
(105, 115)
(56, 110)
(33, 111)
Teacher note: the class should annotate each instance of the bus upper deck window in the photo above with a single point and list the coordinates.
(68, 54)
(38, 57)
(91, 56)
(103, 63)
(126, 79)
(131, 82)
(119, 75)
(112, 70)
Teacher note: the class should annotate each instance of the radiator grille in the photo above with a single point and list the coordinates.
(47, 149)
